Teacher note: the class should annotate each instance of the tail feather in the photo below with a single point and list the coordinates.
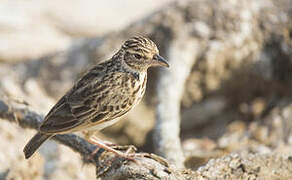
(35, 143)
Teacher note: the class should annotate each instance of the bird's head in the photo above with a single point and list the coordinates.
(140, 53)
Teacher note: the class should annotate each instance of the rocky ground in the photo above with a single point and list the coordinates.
(235, 120)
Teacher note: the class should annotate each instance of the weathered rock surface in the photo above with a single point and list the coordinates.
(238, 93)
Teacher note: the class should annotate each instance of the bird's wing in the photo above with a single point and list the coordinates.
(74, 109)
(59, 119)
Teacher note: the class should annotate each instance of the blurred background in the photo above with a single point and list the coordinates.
(236, 98)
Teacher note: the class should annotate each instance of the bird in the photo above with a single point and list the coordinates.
(104, 94)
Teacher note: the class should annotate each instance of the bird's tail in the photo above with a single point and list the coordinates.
(35, 143)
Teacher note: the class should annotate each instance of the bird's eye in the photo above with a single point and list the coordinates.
(138, 56)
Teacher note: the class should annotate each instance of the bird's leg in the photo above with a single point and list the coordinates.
(127, 155)
(89, 134)
(112, 145)
(107, 143)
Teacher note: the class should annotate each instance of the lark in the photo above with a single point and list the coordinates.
(103, 95)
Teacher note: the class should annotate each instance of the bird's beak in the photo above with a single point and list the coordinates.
(159, 61)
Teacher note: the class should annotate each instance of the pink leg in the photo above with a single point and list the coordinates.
(107, 143)
(94, 140)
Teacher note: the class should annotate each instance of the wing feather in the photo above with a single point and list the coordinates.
(59, 119)
(72, 109)
(89, 101)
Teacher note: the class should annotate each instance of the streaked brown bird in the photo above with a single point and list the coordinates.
(104, 94)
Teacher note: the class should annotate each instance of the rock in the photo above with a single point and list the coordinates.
(238, 92)
(247, 166)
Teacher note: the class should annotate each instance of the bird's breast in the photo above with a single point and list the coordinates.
(141, 86)
(124, 93)
(131, 92)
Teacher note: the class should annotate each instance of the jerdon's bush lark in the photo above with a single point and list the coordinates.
(104, 94)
